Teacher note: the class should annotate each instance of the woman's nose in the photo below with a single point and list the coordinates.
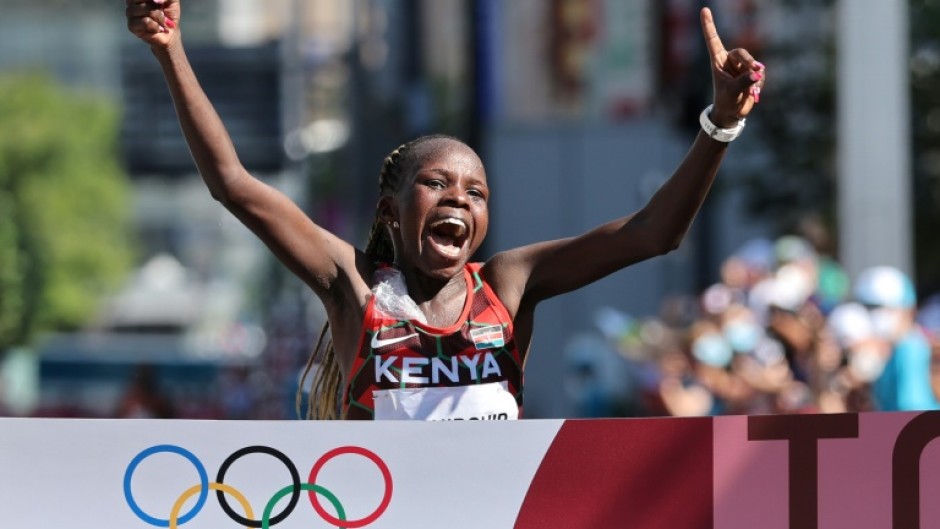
(456, 196)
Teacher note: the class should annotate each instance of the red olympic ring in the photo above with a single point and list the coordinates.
(386, 475)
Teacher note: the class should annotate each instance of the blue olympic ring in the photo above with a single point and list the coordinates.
(173, 449)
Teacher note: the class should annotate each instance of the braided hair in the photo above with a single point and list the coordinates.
(324, 400)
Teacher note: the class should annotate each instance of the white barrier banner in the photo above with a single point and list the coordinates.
(868, 471)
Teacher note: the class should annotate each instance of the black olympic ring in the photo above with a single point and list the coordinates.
(294, 476)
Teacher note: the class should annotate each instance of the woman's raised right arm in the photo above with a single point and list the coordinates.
(314, 254)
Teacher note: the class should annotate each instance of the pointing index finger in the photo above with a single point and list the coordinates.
(715, 48)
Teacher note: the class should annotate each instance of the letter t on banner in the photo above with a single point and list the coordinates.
(803, 432)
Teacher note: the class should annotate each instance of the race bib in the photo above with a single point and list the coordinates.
(479, 402)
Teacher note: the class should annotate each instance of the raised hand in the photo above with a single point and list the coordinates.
(737, 78)
(154, 21)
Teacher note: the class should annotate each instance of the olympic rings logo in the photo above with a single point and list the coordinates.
(268, 518)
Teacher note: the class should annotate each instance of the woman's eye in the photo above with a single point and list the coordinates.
(476, 193)
(434, 184)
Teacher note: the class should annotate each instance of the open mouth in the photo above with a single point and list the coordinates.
(448, 236)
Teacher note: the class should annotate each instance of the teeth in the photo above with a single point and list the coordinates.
(449, 251)
(449, 220)
(452, 221)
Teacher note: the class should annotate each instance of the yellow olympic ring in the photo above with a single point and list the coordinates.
(192, 491)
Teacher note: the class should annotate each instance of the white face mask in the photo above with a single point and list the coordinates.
(743, 336)
(886, 323)
(866, 363)
(769, 352)
(712, 349)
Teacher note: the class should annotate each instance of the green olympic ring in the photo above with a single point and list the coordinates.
(266, 515)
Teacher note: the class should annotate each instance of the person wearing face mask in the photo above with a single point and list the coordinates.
(904, 383)
(760, 361)
(863, 356)
(928, 317)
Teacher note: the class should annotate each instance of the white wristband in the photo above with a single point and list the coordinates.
(716, 133)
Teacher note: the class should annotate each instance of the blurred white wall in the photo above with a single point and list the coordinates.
(874, 136)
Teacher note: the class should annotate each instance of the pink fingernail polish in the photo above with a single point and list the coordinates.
(756, 76)
(170, 24)
(760, 65)
(756, 93)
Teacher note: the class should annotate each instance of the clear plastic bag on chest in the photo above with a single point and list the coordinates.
(391, 296)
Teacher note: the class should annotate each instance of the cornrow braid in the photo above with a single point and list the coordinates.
(324, 401)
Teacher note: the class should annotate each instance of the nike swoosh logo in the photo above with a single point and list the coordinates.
(376, 342)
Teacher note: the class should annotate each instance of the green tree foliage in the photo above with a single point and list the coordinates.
(797, 117)
(925, 122)
(63, 207)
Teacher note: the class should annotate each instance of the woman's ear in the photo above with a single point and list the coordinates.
(385, 210)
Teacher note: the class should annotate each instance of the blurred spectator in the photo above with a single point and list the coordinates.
(904, 383)
(143, 398)
(929, 320)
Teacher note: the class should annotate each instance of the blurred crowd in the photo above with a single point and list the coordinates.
(785, 330)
